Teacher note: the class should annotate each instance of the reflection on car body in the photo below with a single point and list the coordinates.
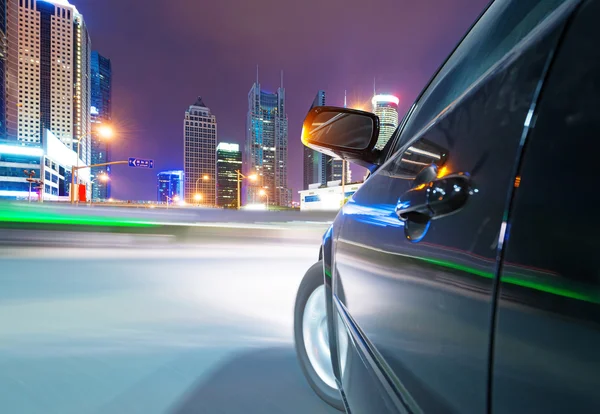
(463, 274)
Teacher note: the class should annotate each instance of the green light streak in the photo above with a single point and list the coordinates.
(530, 284)
(15, 215)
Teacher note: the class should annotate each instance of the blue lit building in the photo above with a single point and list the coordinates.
(267, 146)
(101, 86)
(170, 184)
(51, 164)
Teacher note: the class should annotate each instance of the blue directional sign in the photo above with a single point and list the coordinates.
(138, 162)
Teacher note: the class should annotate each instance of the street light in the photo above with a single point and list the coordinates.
(240, 176)
(263, 192)
(104, 131)
(31, 180)
(205, 177)
(198, 197)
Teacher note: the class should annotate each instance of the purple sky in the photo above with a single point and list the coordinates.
(167, 52)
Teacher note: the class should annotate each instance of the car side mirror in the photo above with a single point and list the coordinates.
(342, 133)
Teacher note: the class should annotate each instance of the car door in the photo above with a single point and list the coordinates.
(416, 294)
(547, 341)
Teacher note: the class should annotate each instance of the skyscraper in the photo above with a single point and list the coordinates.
(101, 80)
(48, 73)
(199, 153)
(266, 145)
(321, 168)
(229, 160)
(314, 160)
(386, 108)
(169, 185)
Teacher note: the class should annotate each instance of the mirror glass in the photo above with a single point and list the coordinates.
(339, 129)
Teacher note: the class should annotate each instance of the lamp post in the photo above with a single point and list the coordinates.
(241, 176)
(30, 180)
(203, 178)
(105, 131)
(263, 192)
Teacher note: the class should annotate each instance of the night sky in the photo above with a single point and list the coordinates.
(165, 53)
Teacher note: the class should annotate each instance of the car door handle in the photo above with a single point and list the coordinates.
(435, 199)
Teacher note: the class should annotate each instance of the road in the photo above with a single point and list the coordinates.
(152, 327)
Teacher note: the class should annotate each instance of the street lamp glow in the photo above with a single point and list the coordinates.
(104, 177)
(198, 197)
(253, 177)
(105, 131)
(262, 192)
(205, 178)
(175, 198)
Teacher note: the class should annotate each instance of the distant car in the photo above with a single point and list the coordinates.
(464, 275)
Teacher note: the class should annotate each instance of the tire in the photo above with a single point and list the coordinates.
(313, 281)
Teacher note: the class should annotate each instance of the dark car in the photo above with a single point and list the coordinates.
(463, 276)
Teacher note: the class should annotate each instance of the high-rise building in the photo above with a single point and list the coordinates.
(170, 186)
(2, 61)
(386, 108)
(229, 161)
(199, 153)
(101, 80)
(321, 168)
(48, 73)
(266, 146)
(314, 161)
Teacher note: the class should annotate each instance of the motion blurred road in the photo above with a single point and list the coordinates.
(98, 321)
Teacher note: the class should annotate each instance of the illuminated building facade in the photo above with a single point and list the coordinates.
(315, 163)
(48, 79)
(199, 153)
(229, 160)
(321, 168)
(267, 145)
(100, 112)
(170, 186)
(386, 108)
(50, 162)
(326, 198)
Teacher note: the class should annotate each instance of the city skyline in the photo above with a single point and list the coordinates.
(145, 131)
(148, 103)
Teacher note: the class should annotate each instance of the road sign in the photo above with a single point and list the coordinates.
(137, 162)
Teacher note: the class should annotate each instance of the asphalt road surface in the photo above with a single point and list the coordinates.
(157, 327)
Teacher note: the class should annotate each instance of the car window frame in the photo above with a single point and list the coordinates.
(395, 148)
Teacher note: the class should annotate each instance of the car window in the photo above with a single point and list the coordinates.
(504, 24)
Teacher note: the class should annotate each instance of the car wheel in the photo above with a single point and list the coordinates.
(312, 337)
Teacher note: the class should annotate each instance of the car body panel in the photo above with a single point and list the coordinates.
(419, 314)
(547, 334)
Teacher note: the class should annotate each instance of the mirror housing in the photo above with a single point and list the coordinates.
(343, 133)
